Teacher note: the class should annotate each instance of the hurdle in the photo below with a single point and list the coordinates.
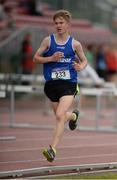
(9, 85)
(20, 88)
(108, 89)
(4, 138)
(99, 93)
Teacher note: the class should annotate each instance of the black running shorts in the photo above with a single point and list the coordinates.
(55, 89)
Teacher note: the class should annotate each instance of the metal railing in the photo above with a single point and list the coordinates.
(98, 95)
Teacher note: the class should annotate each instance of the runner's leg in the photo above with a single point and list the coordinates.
(61, 117)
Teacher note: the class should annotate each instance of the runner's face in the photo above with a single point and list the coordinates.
(61, 25)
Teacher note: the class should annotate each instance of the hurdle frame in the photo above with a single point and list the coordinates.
(84, 91)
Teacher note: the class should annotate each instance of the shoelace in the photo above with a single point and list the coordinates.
(51, 152)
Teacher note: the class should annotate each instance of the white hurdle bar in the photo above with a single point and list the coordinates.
(22, 77)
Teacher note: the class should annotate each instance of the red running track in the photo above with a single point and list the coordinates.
(76, 148)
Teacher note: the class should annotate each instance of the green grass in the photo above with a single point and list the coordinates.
(101, 176)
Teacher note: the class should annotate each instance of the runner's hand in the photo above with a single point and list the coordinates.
(57, 56)
(78, 66)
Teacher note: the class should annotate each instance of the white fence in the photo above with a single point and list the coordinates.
(99, 97)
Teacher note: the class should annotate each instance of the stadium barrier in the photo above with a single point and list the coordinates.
(108, 90)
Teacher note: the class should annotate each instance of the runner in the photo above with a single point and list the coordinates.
(62, 56)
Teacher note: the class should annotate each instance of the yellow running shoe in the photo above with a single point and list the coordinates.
(49, 154)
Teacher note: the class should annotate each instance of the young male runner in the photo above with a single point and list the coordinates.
(58, 53)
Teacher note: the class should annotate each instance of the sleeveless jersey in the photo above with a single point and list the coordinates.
(63, 68)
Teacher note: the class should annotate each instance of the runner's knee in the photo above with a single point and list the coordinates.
(60, 115)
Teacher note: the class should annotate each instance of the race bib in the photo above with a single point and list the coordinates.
(60, 74)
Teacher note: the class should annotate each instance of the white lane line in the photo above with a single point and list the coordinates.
(62, 158)
(62, 147)
(6, 138)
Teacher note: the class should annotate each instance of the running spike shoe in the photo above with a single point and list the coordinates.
(73, 123)
(49, 154)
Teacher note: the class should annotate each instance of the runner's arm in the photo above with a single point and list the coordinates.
(38, 57)
(82, 62)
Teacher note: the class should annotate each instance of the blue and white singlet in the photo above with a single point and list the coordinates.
(62, 69)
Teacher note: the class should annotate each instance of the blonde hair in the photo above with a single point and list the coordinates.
(64, 14)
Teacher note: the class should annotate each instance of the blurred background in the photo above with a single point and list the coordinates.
(23, 25)
(26, 22)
